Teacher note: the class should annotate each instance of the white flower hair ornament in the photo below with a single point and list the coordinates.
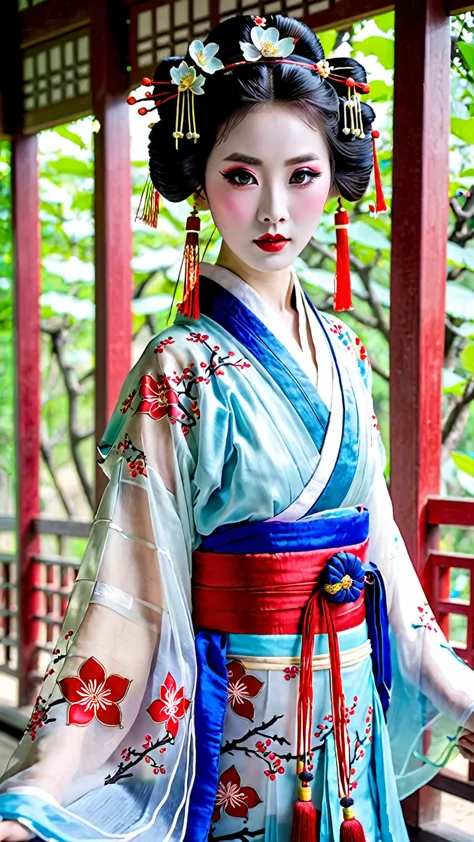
(266, 43)
(205, 56)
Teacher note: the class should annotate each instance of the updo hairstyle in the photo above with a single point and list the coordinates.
(229, 95)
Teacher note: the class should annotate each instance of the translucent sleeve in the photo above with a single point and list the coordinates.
(110, 743)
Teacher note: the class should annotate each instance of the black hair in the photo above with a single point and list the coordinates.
(229, 94)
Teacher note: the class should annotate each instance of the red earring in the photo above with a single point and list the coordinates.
(342, 290)
(190, 304)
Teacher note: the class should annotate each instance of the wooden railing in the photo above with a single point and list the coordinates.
(460, 513)
(55, 577)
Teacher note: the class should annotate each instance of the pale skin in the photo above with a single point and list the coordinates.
(270, 175)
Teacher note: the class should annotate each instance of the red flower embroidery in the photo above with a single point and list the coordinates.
(242, 686)
(92, 695)
(236, 800)
(158, 399)
(170, 707)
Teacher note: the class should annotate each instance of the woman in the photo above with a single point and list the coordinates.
(226, 666)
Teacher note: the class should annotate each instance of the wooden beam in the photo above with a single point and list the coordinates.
(451, 511)
(418, 282)
(346, 12)
(458, 7)
(26, 233)
(56, 17)
(113, 237)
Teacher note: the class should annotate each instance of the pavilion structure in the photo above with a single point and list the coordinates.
(70, 58)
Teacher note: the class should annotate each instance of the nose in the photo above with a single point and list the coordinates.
(273, 208)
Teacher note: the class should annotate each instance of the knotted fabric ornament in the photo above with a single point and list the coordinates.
(190, 304)
(342, 288)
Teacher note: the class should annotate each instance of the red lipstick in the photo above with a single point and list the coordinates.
(271, 242)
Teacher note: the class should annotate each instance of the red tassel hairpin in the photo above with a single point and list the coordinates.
(380, 205)
(149, 205)
(342, 292)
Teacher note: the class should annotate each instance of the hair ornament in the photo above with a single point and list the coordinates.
(188, 83)
(205, 56)
(266, 43)
(259, 20)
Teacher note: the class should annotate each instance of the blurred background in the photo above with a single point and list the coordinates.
(83, 287)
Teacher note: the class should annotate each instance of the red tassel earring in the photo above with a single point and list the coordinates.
(190, 304)
(342, 291)
(149, 205)
(380, 205)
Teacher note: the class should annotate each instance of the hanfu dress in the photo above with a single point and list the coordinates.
(231, 452)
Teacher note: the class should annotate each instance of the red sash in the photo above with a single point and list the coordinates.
(266, 593)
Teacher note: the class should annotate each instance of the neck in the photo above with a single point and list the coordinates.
(275, 288)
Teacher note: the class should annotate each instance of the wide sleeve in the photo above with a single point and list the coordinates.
(110, 744)
(433, 689)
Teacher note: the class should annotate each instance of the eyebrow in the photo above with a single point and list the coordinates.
(256, 162)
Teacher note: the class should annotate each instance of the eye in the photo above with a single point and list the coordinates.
(239, 178)
(304, 177)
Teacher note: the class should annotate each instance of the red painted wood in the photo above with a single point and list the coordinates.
(452, 511)
(420, 216)
(419, 224)
(113, 238)
(26, 233)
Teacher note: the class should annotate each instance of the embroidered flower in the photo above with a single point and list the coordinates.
(157, 399)
(241, 689)
(204, 56)
(185, 78)
(266, 43)
(234, 799)
(92, 695)
(170, 707)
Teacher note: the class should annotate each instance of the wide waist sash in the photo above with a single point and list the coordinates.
(267, 593)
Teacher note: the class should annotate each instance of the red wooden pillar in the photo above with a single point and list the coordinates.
(26, 233)
(419, 233)
(113, 238)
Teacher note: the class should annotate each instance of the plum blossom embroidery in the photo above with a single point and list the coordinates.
(236, 800)
(91, 695)
(177, 395)
(158, 399)
(291, 672)
(135, 458)
(360, 747)
(162, 345)
(170, 707)
(131, 757)
(241, 688)
(127, 403)
(427, 619)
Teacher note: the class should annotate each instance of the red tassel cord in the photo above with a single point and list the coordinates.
(380, 205)
(351, 828)
(149, 205)
(342, 292)
(190, 305)
(304, 828)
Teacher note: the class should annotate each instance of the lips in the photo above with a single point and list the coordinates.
(271, 242)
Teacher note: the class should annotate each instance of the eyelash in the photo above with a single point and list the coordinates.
(232, 175)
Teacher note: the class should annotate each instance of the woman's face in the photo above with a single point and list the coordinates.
(266, 183)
